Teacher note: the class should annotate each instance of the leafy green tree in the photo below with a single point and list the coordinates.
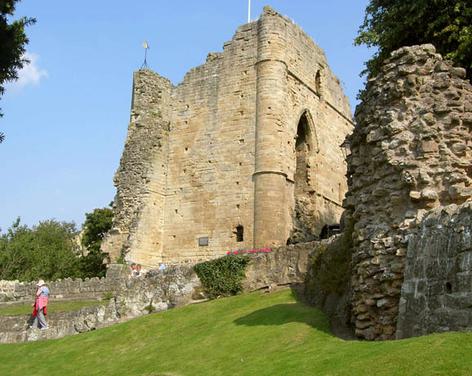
(391, 24)
(12, 45)
(96, 225)
(46, 251)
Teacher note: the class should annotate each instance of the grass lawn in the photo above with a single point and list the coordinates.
(53, 306)
(254, 334)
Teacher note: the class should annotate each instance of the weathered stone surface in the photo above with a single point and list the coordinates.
(283, 266)
(411, 152)
(90, 288)
(155, 291)
(327, 282)
(16, 328)
(250, 138)
(132, 297)
(436, 294)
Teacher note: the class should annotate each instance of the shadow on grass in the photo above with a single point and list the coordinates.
(281, 314)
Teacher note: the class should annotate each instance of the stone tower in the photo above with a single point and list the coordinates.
(244, 153)
(411, 154)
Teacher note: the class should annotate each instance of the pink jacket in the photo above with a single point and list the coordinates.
(42, 296)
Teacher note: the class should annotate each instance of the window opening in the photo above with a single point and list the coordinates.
(239, 233)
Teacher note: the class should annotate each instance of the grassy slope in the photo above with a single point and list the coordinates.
(53, 306)
(253, 334)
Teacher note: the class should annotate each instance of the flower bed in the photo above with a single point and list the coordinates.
(249, 251)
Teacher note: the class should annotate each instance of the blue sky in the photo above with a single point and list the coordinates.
(66, 118)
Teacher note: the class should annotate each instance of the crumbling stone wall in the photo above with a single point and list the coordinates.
(283, 266)
(155, 291)
(132, 297)
(410, 153)
(89, 288)
(217, 153)
(143, 169)
(437, 290)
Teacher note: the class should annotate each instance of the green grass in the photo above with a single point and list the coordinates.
(53, 306)
(254, 334)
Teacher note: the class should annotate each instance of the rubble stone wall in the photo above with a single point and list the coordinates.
(155, 291)
(411, 152)
(437, 290)
(132, 297)
(89, 288)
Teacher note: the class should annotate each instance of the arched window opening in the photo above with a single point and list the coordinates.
(302, 148)
(303, 214)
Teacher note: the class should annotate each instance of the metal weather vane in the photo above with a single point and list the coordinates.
(146, 48)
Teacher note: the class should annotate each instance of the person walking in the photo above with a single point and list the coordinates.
(40, 306)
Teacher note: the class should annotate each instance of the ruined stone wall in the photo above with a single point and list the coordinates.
(437, 290)
(211, 154)
(228, 156)
(89, 288)
(141, 177)
(283, 266)
(131, 297)
(411, 152)
(154, 291)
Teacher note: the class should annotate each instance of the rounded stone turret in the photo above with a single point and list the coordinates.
(270, 177)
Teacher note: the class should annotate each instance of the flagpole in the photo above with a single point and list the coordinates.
(249, 12)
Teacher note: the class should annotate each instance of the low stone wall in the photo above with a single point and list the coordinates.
(133, 296)
(283, 266)
(437, 290)
(89, 288)
(16, 328)
(136, 296)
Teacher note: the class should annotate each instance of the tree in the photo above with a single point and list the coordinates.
(391, 24)
(96, 225)
(12, 45)
(50, 249)
(46, 251)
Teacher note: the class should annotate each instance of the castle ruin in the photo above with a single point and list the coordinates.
(244, 153)
(411, 157)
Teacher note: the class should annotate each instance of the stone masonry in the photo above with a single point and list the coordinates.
(410, 153)
(155, 291)
(437, 290)
(244, 153)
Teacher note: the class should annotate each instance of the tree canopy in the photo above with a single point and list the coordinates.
(12, 45)
(96, 225)
(391, 24)
(46, 251)
(51, 250)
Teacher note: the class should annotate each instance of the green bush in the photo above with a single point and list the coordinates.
(223, 276)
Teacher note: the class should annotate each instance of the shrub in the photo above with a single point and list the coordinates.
(223, 276)
(107, 295)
